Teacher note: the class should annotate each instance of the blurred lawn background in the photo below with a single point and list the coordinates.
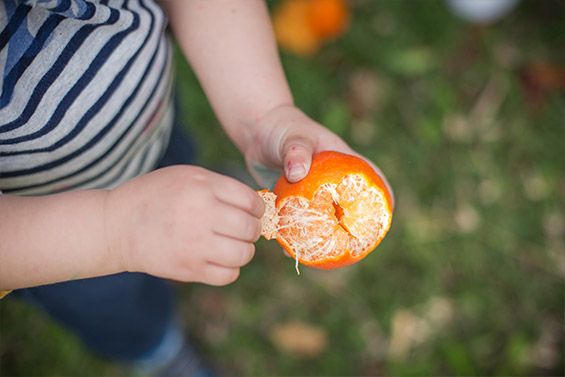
(468, 124)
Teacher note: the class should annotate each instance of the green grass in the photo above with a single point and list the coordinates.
(474, 262)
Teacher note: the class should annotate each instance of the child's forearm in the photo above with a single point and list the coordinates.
(231, 47)
(53, 238)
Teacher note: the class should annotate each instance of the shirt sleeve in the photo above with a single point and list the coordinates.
(80, 9)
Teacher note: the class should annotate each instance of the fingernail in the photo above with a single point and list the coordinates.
(296, 172)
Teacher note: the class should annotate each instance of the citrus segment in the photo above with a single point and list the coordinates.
(334, 217)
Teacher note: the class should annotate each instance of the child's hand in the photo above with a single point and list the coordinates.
(184, 223)
(285, 140)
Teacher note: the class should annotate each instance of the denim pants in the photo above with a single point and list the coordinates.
(122, 317)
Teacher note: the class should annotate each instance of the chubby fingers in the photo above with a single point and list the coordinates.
(231, 253)
(235, 223)
(236, 194)
(217, 275)
(224, 261)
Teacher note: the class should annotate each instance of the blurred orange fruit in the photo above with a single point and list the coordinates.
(301, 26)
(332, 218)
(328, 18)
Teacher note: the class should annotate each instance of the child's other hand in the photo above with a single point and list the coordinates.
(184, 223)
(285, 140)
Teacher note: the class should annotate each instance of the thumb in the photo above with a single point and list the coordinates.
(297, 157)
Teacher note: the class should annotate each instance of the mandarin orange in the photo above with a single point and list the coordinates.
(302, 26)
(292, 28)
(328, 18)
(332, 218)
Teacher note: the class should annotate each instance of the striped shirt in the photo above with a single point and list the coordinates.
(85, 93)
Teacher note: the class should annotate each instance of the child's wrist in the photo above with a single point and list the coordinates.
(113, 229)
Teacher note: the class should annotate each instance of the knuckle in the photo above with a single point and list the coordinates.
(199, 177)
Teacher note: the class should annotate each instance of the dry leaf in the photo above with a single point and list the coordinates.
(439, 311)
(299, 339)
(467, 218)
(408, 330)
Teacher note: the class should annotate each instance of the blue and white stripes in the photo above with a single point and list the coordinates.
(85, 93)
